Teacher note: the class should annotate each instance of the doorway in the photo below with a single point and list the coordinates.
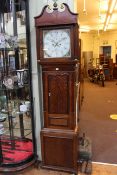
(105, 51)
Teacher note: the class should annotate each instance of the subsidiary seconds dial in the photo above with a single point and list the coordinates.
(56, 43)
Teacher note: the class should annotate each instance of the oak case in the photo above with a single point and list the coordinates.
(59, 136)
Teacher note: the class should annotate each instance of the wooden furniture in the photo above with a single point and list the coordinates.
(107, 66)
(57, 53)
(59, 149)
(115, 71)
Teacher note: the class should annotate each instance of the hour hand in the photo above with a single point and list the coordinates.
(62, 39)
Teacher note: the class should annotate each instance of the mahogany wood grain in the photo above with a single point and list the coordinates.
(59, 137)
(59, 148)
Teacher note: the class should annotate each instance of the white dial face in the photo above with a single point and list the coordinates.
(56, 43)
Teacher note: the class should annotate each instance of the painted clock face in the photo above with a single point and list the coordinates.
(56, 43)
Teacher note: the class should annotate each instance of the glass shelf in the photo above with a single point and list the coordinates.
(14, 88)
(16, 132)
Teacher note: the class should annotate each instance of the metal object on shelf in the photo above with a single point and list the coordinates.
(27, 103)
(2, 118)
(22, 75)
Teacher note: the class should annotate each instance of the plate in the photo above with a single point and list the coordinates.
(9, 82)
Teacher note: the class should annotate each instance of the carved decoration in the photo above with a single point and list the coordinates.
(55, 6)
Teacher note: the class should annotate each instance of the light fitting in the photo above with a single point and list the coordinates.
(111, 7)
(84, 9)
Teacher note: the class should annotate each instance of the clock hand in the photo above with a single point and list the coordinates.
(62, 39)
(53, 41)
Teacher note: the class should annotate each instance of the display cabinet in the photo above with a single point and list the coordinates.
(17, 139)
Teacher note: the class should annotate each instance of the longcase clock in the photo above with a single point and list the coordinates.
(57, 54)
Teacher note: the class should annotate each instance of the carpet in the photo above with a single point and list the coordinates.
(99, 103)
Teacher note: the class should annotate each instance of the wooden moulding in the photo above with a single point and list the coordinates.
(65, 17)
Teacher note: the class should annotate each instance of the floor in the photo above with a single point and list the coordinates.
(98, 104)
(98, 169)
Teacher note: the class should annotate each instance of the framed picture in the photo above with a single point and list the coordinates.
(12, 62)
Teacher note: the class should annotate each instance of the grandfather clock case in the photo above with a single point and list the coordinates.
(57, 54)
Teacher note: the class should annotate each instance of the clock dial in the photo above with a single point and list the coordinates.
(56, 43)
(8, 82)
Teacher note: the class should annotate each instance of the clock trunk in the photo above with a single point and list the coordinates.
(58, 91)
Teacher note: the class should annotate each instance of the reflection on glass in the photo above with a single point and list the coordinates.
(15, 99)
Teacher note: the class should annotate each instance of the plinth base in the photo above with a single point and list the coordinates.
(59, 150)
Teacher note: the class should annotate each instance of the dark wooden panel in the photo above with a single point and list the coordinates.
(62, 122)
(59, 99)
(58, 89)
(54, 147)
(59, 149)
(59, 68)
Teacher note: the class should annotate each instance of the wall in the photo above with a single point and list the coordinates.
(35, 8)
(87, 40)
(92, 42)
(110, 38)
(75, 6)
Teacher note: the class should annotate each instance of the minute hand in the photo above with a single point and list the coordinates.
(62, 39)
